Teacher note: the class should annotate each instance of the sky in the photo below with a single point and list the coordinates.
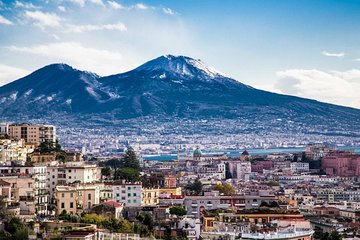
(307, 48)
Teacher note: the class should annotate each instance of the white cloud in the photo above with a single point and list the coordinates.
(78, 2)
(98, 2)
(168, 11)
(5, 21)
(329, 54)
(9, 74)
(88, 28)
(83, 2)
(336, 87)
(141, 6)
(43, 19)
(115, 5)
(62, 8)
(26, 5)
(100, 61)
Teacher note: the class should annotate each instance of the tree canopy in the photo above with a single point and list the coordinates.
(178, 211)
(195, 188)
(225, 189)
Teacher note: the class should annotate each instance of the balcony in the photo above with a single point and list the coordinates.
(26, 198)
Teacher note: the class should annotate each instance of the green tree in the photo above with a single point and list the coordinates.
(16, 228)
(195, 188)
(274, 204)
(131, 160)
(225, 189)
(128, 174)
(178, 211)
(61, 156)
(106, 171)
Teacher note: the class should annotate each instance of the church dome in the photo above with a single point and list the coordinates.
(245, 153)
(197, 152)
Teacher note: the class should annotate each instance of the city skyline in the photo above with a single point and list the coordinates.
(306, 49)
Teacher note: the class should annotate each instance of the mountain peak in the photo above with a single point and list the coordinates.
(58, 66)
(180, 65)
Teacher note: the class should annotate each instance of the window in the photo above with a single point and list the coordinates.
(134, 194)
(129, 194)
(89, 196)
(62, 205)
(63, 195)
(71, 195)
(118, 195)
(71, 205)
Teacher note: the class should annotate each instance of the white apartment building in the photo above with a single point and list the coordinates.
(60, 174)
(4, 128)
(299, 167)
(127, 193)
(13, 150)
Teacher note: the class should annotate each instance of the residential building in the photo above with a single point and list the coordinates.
(239, 168)
(150, 196)
(4, 128)
(13, 150)
(33, 133)
(341, 163)
(127, 193)
(76, 198)
(299, 167)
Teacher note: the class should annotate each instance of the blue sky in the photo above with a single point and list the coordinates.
(305, 48)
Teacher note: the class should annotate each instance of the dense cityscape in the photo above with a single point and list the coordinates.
(50, 192)
(182, 119)
(151, 136)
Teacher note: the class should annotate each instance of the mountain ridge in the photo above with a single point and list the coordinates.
(165, 86)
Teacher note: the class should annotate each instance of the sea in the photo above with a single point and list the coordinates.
(237, 153)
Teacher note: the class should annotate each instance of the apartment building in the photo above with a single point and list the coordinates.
(61, 174)
(22, 191)
(38, 188)
(150, 196)
(299, 167)
(13, 150)
(127, 193)
(4, 128)
(76, 198)
(239, 169)
(33, 133)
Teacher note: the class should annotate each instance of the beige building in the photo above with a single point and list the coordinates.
(13, 150)
(22, 191)
(33, 133)
(77, 198)
(150, 196)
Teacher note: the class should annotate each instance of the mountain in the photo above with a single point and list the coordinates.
(171, 86)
